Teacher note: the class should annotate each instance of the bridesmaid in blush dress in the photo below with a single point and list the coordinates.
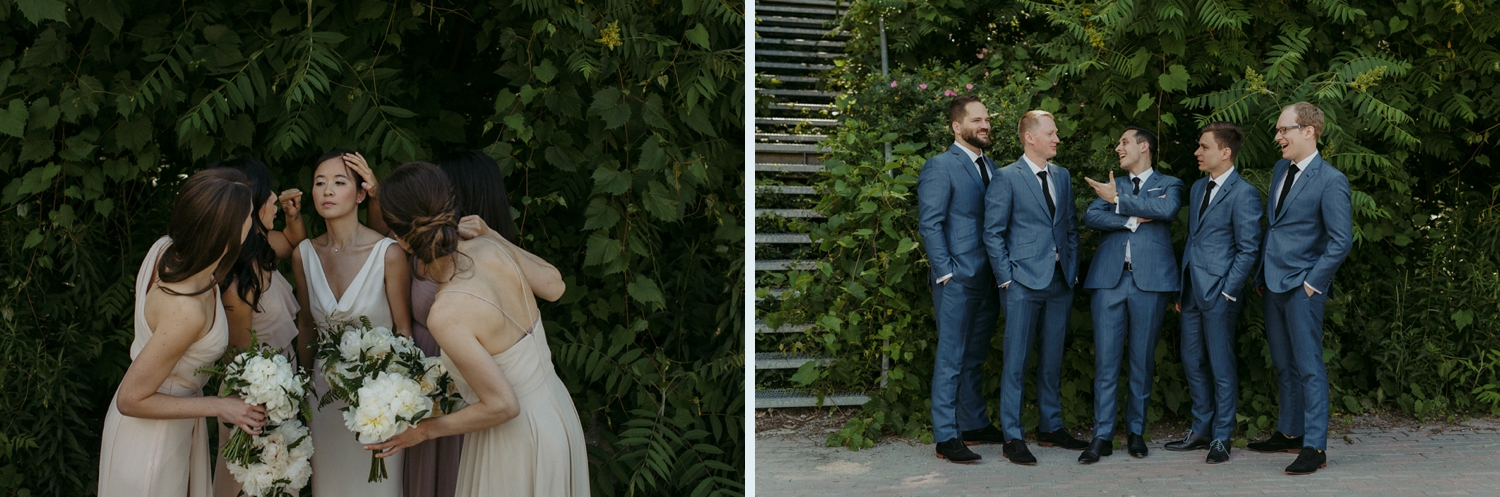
(342, 275)
(155, 439)
(523, 434)
(256, 296)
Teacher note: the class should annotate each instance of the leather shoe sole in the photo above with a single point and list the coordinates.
(1007, 457)
(1320, 466)
(945, 458)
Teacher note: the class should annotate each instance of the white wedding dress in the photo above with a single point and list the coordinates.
(340, 464)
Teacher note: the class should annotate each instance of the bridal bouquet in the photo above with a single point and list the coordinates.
(276, 462)
(388, 384)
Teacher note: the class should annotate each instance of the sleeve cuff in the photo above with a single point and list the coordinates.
(1310, 287)
(1132, 223)
(1231, 299)
(1007, 283)
(945, 277)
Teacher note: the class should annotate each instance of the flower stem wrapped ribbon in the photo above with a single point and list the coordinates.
(388, 383)
(276, 462)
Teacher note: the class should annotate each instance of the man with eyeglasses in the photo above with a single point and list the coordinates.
(1309, 234)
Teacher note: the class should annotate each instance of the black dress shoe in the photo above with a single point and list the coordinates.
(1217, 452)
(954, 450)
(1060, 438)
(1308, 461)
(1278, 442)
(1016, 452)
(1099, 448)
(1193, 441)
(987, 435)
(1136, 445)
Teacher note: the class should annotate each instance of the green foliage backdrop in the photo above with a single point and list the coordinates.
(1409, 89)
(618, 123)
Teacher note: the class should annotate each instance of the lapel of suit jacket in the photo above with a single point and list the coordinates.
(963, 158)
(1299, 184)
(1052, 183)
(1195, 199)
(1033, 184)
(1230, 181)
(1145, 185)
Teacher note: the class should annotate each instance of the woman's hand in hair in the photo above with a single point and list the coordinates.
(472, 226)
(357, 162)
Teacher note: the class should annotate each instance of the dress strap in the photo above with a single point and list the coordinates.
(527, 329)
(520, 275)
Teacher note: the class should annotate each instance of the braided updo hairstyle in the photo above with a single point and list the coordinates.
(416, 202)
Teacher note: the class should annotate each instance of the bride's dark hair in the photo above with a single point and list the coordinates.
(207, 216)
(256, 256)
(416, 201)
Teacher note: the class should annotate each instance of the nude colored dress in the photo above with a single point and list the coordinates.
(275, 324)
(541, 451)
(431, 466)
(167, 457)
(340, 464)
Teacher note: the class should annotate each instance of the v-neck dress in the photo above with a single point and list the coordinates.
(162, 456)
(340, 463)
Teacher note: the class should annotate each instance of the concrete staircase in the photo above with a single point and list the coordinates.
(793, 46)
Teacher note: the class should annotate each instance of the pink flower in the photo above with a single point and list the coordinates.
(922, 86)
(986, 74)
(985, 50)
(969, 86)
(893, 84)
(949, 93)
(981, 56)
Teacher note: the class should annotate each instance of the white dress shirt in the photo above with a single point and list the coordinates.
(973, 160)
(1276, 194)
(1134, 222)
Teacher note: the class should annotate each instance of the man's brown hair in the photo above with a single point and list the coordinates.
(957, 108)
(1227, 135)
(1309, 115)
(1030, 120)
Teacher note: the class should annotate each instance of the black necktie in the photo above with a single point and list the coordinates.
(1207, 194)
(1047, 193)
(1137, 182)
(984, 172)
(1286, 186)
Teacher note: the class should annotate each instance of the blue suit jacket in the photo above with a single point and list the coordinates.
(1022, 239)
(950, 203)
(1223, 244)
(1314, 232)
(1151, 255)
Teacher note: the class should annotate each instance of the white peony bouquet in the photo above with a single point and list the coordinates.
(276, 462)
(386, 380)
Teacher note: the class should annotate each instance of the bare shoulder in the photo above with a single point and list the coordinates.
(394, 254)
(175, 314)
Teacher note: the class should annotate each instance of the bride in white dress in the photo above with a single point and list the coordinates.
(347, 273)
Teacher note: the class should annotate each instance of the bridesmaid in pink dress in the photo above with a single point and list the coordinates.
(155, 439)
(481, 197)
(256, 296)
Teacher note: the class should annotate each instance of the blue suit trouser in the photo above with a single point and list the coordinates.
(966, 318)
(1037, 316)
(1125, 315)
(1294, 332)
(1208, 362)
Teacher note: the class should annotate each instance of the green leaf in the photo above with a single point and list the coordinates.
(32, 239)
(653, 156)
(397, 111)
(609, 180)
(13, 118)
(808, 372)
(600, 215)
(645, 290)
(38, 179)
(1175, 79)
(37, 11)
(662, 203)
(47, 50)
(105, 13)
(608, 105)
(1141, 105)
(545, 71)
(559, 158)
(1463, 318)
(698, 35)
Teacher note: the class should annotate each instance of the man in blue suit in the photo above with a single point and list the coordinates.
(950, 200)
(1223, 240)
(1031, 235)
(1309, 235)
(1134, 276)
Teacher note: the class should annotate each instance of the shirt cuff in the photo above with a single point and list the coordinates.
(1003, 285)
(944, 278)
(1132, 223)
(1231, 299)
(1317, 291)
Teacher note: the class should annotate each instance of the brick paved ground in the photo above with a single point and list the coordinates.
(1460, 459)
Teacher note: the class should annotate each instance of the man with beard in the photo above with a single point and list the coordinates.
(1031, 236)
(1134, 276)
(950, 195)
(1223, 237)
(1309, 235)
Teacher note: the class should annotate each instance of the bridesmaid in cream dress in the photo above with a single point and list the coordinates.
(256, 296)
(523, 435)
(347, 273)
(155, 439)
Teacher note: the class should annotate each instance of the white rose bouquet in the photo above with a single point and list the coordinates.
(386, 380)
(276, 462)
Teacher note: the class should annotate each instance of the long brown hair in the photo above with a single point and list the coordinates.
(416, 201)
(207, 217)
